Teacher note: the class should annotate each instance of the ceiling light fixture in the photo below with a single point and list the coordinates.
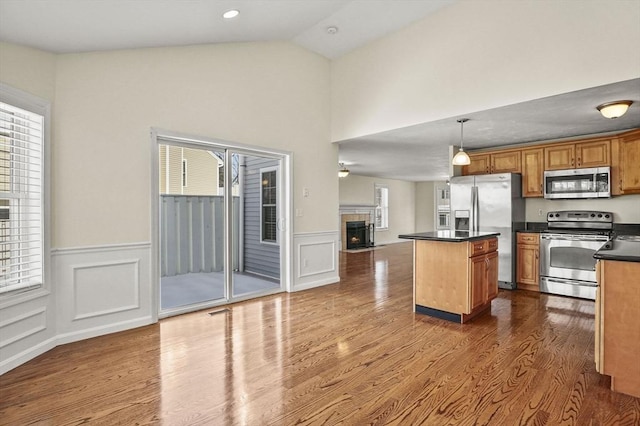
(461, 158)
(343, 172)
(332, 30)
(230, 14)
(614, 109)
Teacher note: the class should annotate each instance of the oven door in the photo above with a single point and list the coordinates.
(569, 256)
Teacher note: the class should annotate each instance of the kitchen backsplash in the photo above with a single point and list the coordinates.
(626, 208)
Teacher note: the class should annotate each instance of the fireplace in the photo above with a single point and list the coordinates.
(357, 234)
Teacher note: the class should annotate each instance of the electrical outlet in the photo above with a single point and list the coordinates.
(539, 212)
(305, 192)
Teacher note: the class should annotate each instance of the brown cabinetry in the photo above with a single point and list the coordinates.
(621, 153)
(460, 278)
(506, 162)
(577, 155)
(480, 165)
(495, 162)
(484, 279)
(532, 172)
(528, 261)
(617, 342)
(626, 164)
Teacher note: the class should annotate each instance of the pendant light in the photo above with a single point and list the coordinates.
(343, 172)
(461, 158)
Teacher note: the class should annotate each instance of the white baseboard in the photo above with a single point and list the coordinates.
(75, 336)
(27, 355)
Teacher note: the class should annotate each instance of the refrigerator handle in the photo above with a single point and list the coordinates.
(476, 210)
(472, 224)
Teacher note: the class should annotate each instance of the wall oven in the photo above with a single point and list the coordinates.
(567, 266)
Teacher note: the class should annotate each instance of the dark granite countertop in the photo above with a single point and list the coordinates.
(452, 236)
(622, 248)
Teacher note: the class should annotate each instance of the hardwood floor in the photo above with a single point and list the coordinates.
(351, 353)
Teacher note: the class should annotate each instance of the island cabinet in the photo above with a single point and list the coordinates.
(528, 261)
(455, 280)
(617, 340)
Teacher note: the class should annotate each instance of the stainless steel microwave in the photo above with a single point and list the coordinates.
(578, 183)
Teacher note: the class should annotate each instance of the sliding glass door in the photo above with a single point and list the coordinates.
(220, 233)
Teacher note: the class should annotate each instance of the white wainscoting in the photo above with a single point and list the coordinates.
(102, 290)
(316, 260)
(26, 330)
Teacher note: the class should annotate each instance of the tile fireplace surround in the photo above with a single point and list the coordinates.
(354, 212)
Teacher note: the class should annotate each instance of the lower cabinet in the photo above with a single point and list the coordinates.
(457, 278)
(484, 279)
(617, 328)
(528, 261)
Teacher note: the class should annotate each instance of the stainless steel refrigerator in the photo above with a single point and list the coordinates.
(491, 203)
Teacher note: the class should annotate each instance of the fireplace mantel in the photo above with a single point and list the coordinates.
(358, 209)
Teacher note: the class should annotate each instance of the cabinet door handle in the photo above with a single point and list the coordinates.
(578, 161)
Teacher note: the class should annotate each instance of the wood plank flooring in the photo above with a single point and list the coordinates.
(351, 353)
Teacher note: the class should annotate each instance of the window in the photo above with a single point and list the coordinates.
(381, 199)
(269, 211)
(21, 198)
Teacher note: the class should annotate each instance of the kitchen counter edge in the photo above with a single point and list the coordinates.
(458, 237)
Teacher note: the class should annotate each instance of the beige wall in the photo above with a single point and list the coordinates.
(626, 208)
(476, 55)
(425, 206)
(274, 95)
(30, 70)
(402, 201)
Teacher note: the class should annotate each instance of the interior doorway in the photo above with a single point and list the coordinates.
(221, 212)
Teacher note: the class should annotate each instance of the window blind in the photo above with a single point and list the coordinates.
(21, 198)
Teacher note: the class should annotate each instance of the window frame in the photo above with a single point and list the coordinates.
(34, 104)
(264, 170)
(184, 172)
(384, 210)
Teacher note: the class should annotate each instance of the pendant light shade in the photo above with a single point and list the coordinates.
(461, 158)
(614, 109)
(343, 172)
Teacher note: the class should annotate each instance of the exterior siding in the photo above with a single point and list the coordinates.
(259, 258)
(202, 171)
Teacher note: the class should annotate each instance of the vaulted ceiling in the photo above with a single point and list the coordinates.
(416, 153)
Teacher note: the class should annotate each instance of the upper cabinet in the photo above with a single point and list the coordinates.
(532, 172)
(577, 155)
(494, 162)
(506, 162)
(626, 164)
(621, 153)
(480, 165)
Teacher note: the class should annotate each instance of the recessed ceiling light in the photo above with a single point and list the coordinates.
(332, 30)
(230, 14)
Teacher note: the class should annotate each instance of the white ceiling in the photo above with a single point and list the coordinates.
(65, 26)
(414, 153)
(421, 152)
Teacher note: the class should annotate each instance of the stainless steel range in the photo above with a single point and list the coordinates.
(567, 266)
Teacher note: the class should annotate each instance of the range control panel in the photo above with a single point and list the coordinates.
(580, 216)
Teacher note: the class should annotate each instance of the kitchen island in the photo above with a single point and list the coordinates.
(617, 327)
(455, 273)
